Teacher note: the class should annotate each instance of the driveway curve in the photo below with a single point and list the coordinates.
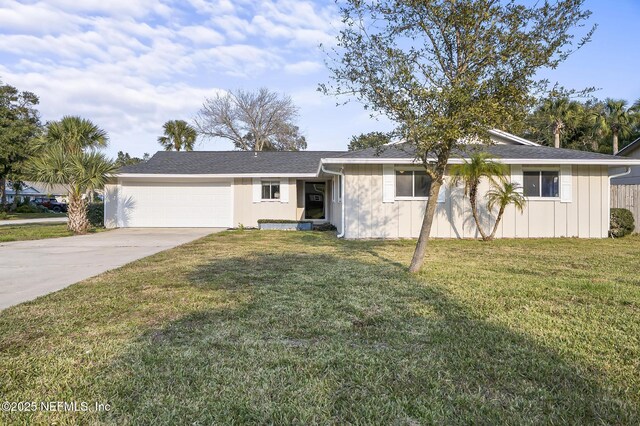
(65, 261)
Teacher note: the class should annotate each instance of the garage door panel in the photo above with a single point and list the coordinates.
(176, 205)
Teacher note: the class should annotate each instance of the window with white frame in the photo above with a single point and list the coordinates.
(412, 184)
(270, 190)
(541, 183)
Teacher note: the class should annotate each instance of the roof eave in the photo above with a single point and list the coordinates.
(599, 162)
(213, 175)
(629, 148)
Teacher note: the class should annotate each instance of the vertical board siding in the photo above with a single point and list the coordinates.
(366, 216)
(627, 197)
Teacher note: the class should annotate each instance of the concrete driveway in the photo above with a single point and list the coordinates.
(67, 260)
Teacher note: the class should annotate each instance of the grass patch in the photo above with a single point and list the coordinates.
(36, 231)
(16, 216)
(282, 327)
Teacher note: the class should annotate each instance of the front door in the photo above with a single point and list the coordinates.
(314, 197)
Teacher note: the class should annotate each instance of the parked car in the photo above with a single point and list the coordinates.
(52, 204)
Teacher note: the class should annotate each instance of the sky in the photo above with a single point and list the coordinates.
(131, 65)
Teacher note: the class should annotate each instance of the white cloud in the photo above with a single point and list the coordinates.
(303, 67)
(130, 65)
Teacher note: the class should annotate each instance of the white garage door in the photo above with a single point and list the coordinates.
(176, 205)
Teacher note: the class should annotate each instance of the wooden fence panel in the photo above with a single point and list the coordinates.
(627, 197)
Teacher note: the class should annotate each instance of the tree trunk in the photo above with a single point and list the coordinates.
(498, 219)
(78, 222)
(556, 139)
(3, 193)
(425, 230)
(14, 204)
(615, 143)
(473, 193)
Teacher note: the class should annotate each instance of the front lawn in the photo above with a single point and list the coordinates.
(17, 216)
(36, 231)
(299, 327)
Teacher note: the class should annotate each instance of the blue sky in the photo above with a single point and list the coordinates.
(130, 65)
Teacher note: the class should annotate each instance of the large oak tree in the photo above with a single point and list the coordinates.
(19, 126)
(447, 71)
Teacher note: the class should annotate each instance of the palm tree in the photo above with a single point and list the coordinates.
(501, 196)
(79, 172)
(76, 134)
(178, 135)
(69, 157)
(617, 119)
(480, 165)
(560, 115)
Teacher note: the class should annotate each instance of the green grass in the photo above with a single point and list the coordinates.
(294, 327)
(36, 231)
(16, 216)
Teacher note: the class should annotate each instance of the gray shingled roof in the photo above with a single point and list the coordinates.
(307, 162)
(231, 162)
(498, 151)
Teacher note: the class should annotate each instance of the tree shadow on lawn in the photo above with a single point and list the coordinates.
(328, 339)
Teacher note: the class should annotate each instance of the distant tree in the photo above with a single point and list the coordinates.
(480, 165)
(253, 121)
(616, 119)
(369, 140)
(124, 159)
(178, 135)
(19, 128)
(447, 72)
(559, 116)
(70, 157)
(501, 195)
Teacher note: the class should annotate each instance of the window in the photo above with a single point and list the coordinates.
(544, 184)
(412, 183)
(270, 190)
(337, 189)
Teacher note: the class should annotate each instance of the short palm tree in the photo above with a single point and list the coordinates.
(79, 172)
(480, 165)
(617, 119)
(502, 195)
(68, 157)
(178, 135)
(560, 115)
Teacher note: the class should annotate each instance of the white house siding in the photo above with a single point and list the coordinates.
(248, 212)
(111, 205)
(586, 216)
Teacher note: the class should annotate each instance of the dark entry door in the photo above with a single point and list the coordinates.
(314, 197)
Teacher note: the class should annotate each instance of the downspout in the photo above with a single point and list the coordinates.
(340, 173)
(626, 172)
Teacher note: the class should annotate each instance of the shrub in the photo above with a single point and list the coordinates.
(27, 208)
(4, 215)
(621, 223)
(324, 227)
(95, 214)
(42, 209)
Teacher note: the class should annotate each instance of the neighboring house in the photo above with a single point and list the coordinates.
(37, 190)
(25, 191)
(57, 191)
(365, 194)
(631, 151)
